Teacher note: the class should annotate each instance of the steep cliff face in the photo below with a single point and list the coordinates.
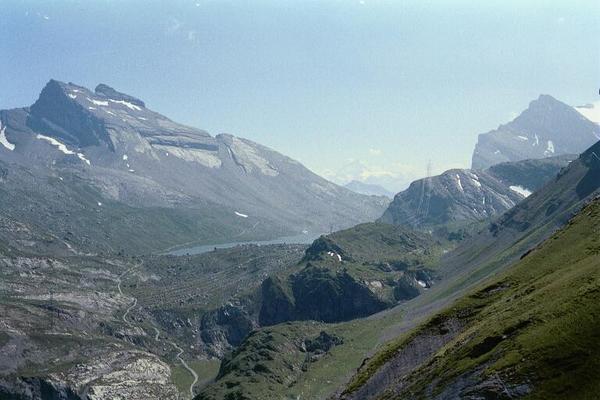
(225, 328)
(323, 295)
(278, 303)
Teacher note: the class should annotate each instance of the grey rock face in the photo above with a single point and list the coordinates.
(317, 294)
(277, 305)
(225, 328)
(469, 195)
(546, 128)
(35, 389)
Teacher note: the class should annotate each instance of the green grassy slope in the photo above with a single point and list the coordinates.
(352, 273)
(272, 362)
(530, 332)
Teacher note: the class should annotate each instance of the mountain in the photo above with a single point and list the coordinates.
(352, 273)
(547, 127)
(370, 189)
(343, 276)
(372, 174)
(461, 195)
(273, 362)
(128, 157)
(531, 221)
(529, 333)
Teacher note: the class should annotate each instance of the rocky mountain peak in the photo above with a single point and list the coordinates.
(57, 115)
(546, 108)
(546, 99)
(548, 127)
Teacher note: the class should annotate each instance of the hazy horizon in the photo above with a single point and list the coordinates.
(349, 88)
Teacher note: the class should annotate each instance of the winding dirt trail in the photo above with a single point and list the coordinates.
(156, 331)
(186, 366)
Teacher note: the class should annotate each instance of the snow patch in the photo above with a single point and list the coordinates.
(460, 186)
(521, 190)
(127, 104)
(334, 254)
(99, 204)
(63, 148)
(125, 157)
(497, 152)
(10, 146)
(91, 108)
(422, 283)
(376, 284)
(474, 179)
(523, 138)
(97, 102)
(239, 214)
(73, 96)
(549, 148)
(60, 146)
(537, 140)
(82, 158)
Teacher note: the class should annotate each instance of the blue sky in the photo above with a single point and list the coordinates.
(353, 88)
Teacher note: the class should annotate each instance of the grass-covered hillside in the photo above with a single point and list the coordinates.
(531, 332)
(348, 274)
(352, 273)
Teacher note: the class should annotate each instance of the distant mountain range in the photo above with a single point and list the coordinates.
(546, 128)
(368, 189)
(119, 155)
